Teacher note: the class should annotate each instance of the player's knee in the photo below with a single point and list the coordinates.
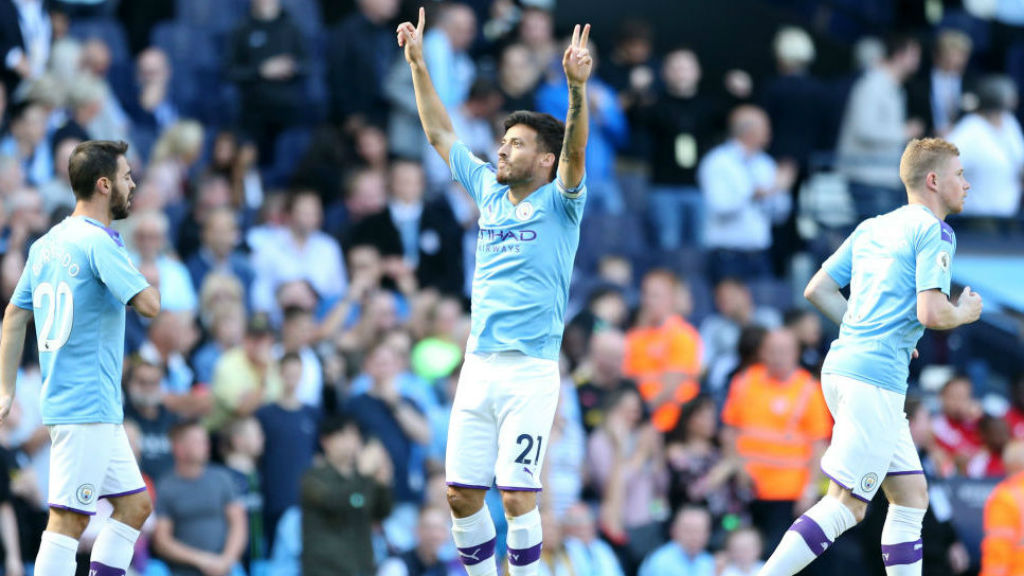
(134, 510)
(858, 509)
(518, 502)
(67, 523)
(464, 501)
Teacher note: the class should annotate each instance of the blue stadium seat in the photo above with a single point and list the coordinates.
(219, 17)
(306, 14)
(196, 67)
(106, 29)
(289, 149)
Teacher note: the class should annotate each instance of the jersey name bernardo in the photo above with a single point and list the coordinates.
(54, 252)
(499, 240)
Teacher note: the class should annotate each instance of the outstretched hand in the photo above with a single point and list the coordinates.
(577, 61)
(411, 38)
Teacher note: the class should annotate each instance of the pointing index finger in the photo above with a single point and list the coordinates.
(585, 37)
(422, 21)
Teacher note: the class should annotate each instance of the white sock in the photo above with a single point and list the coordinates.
(902, 548)
(474, 538)
(809, 536)
(113, 549)
(525, 541)
(56, 555)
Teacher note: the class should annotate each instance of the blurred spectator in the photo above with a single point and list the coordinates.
(588, 553)
(424, 235)
(397, 422)
(25, 36)
(342, 498)
(474, 122)
(144, 406)
(201, 526)
(366, 194)
(745, 193)
(56, 192)
(1001, 550)
(236, 160)
(290, 429)
(169, 175)
(299, 252)
(85, 103)
(554, 557)
(700, 474)
(606, 309)
(564, 461)
(601, 376)
(625, 466)
(681, 122)
(245, 377)
(537, 33)
(778, 425)
(794, 99)
(663, 351)
(992, 150)
(720, 332)
(742, 553)
(170, 337)
(242, 448)
(152, 111)
(518, 75)
(268, 62)
(609, 132)
(112, 123)
(211, 192)
(937, 95)
(876, 127)
(686, 554)
(1015, 415)
(361, 50)
(631, 69)
(988, 462)
(298, 335)
(428, 557)
(956, 426)
(223, 319)
(806, 325)
(218, 252)
(27, 142)
(159, 265)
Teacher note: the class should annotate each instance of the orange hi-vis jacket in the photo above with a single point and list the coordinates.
(1002, 550)
(777, 424)
(652, 352)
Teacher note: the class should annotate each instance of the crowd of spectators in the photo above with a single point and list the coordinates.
(289, 406)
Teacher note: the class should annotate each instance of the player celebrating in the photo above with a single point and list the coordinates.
(529, 231)
(898, 268)
(76, 283)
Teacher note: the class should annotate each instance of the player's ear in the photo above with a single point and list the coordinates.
(548, 160)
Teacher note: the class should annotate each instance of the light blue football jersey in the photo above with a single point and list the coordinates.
(887, 261)
(524, 259)
(77, 281)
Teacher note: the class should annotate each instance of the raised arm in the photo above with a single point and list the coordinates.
(436, 123)
(577, 64)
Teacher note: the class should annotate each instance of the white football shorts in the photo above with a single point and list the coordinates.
(871, 437)
(88, 462)
(501, 418)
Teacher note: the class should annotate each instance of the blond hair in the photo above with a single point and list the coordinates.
(952, 41)
(183, 138)
(924, 155)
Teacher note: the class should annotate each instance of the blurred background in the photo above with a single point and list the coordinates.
(315, 262)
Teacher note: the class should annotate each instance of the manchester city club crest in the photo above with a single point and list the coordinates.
(86, 493)
(524, 211)
(868, 482)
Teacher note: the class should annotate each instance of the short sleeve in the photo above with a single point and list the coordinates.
(22, 297)
(573, 199)
(934, 267)
(112, 266)
(473, 173)
(839, 266)
(228, 486)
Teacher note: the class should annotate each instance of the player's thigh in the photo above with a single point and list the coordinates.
(863, 439)
(79, 457)
(905, 483)
(527, 405)
(472, 446)
(123, 483)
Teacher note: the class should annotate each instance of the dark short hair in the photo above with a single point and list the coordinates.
(290, 357)
(337, 423)
(898, 42)
(179, 429)
(92, 160)
(550, 131)
(297, 194)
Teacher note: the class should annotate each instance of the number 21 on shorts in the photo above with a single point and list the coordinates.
(525, 441)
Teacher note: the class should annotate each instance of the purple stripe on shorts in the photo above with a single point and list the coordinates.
(476, 554)
(75, 510)
(473, 486)
(518, 557)
(905, 473)
(128, 493)
(902, 553)
(518, 489)
(812, 534)
(857, 496)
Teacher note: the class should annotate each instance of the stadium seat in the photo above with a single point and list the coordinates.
(107, 29)
(289, 148)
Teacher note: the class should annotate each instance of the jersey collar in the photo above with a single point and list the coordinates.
(114, 234)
